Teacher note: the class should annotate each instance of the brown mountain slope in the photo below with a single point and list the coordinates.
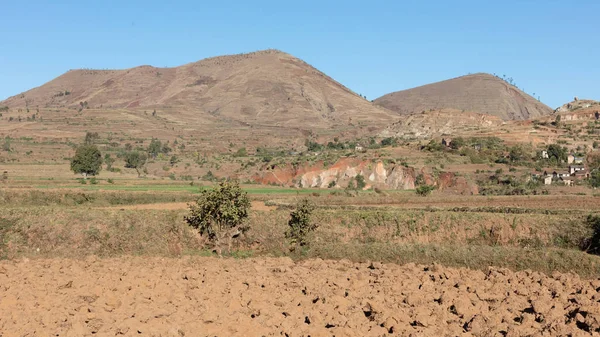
(481, 93)
(269, 88)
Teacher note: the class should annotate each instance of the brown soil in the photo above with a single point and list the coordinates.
(196, 296)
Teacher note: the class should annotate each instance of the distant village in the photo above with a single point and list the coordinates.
(575, 171)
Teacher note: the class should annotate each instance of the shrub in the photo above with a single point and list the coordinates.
(592, 245)
(94, 181)
(300, 224)
(332, 184)
(424, 190)
(110, 181)
(220, 213)
(360, 182)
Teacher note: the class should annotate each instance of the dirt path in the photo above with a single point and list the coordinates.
(169, 206)
(193, 296)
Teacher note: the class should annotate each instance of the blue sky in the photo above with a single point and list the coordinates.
(549, 47)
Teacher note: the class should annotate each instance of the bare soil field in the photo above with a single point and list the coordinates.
(196, 296)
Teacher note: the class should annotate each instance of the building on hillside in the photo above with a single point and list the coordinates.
(446, 142)
(576, 168)
(359, 148)
(580, 175)
(545, 154)
(568, 181)
(571, 159)
(547, 180)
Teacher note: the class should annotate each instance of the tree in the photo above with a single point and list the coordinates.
(557, 152)
(135, 160)
(91, 137)
(220, 213)
(360, 182)
(457, 143)
(595, 144)
(424, 190)
(557, 121)
(155, 147)
(87, 160)
(6, 145)
(109, 161)
(174, 160)
(517, 153)
(595, 178)
(300, 223)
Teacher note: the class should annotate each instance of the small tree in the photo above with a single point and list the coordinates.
(87, 160)
(300, 223)
(135, 160)
(424, 190)
(220, 213)
(109, 161)
(174, 160)
(91, 137)
(6, 145)
(595, 178)
(155, 147)
(360, 182)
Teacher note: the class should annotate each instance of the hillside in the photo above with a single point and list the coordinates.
(262, 88)
(480, 93)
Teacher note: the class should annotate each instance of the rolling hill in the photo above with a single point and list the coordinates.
(479, 93)
(268, 88)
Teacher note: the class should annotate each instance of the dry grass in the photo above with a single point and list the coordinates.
(64, 228)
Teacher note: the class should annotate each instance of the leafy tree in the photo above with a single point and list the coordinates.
(135, 160)
(91, 137)
(220, 213)
(300, 224)
(6, 145)
(390, 141)
(174, 160)
(109, 161)
(595, 144)
(557, 152)
(87, 160)
(155, 147)
(595, 178)
(557, 121)
(457, 143)
(517, 153)
(420, 180)
(424, 190)
(360, 182)
(593, 243)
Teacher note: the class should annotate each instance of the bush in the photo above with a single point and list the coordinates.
(94, 181)
(592, 245)
(360, 182)
(424, 190)
(220, 213)
(110, 181)
(300, 224)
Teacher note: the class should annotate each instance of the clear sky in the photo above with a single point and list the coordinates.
(550, 47)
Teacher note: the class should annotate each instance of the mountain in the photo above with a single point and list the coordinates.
(479, 93)
(265, 88)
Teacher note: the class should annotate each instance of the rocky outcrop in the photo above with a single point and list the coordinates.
(375, 174)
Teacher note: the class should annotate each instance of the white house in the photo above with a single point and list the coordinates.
(576, 168)
(545, 154)
(548, 180)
